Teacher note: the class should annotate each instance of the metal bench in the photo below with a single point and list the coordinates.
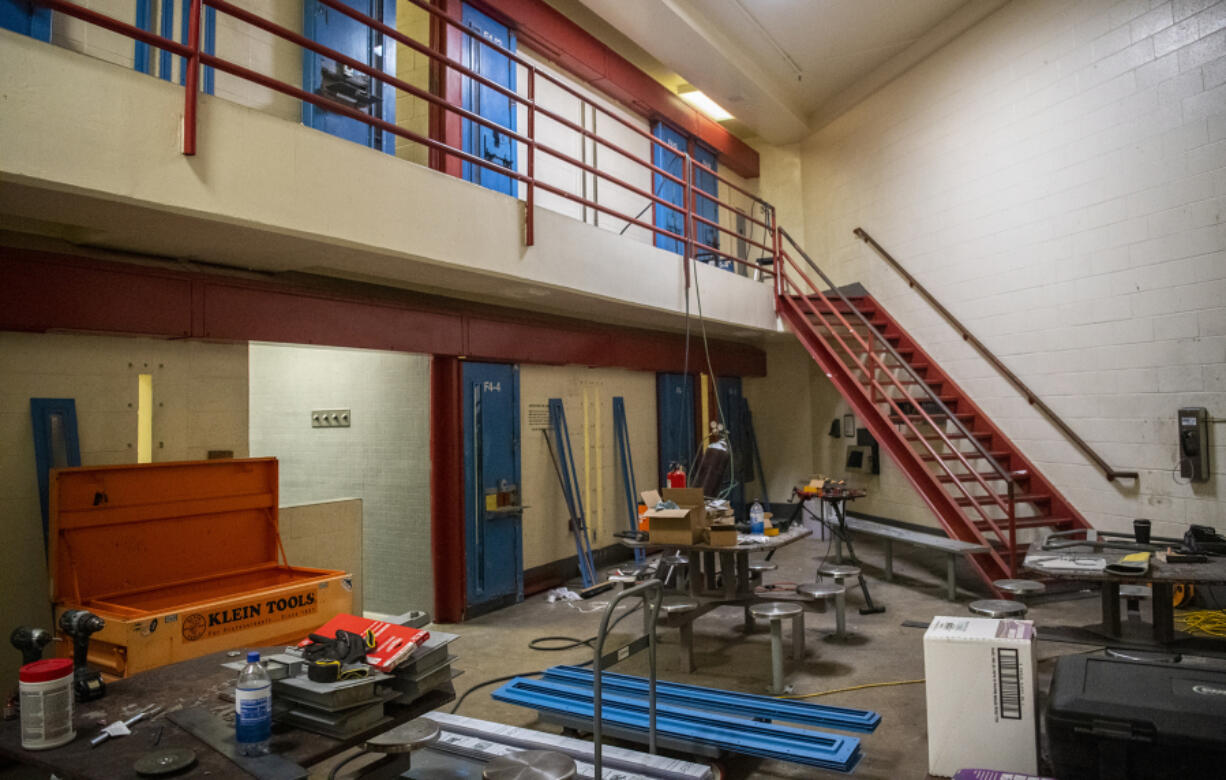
(890, 534)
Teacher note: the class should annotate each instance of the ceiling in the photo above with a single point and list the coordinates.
(785, 67)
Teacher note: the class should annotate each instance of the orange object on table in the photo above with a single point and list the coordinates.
(180, 560)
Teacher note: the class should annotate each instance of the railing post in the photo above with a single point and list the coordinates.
(191, 81)
(1012, 533)
(529, 236)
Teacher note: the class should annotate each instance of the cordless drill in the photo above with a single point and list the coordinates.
(30, 641)
(80, 624)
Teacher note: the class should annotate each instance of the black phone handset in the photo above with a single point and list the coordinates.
(1189, 443)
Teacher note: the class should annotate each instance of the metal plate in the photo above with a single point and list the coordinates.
(404, 738)
(531, 765)
(164, 762)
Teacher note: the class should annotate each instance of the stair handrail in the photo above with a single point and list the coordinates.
(1004, 473)
(1032, 398)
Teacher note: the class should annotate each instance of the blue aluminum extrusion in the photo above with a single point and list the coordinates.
(749, 737)
(745, 705)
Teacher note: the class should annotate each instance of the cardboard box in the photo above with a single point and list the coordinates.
(684, 525)
(181, 560)
(721, 536)
(982, 705)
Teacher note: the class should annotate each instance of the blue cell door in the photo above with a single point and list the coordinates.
(675, 421)
(25, 17)
(486, 142)
(665, 188)
(707, 208)
(493, 513)
(329, 78)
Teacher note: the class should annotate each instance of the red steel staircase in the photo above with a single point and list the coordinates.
(973, 478)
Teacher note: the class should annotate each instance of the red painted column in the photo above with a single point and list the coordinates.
(446, 489)
(445, 125)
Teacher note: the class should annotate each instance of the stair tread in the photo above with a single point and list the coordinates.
(998, 454)
(986, 475)
(1027, 522)
(1019, 497)
(947, 435)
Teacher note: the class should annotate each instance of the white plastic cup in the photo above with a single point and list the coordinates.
(46, 704)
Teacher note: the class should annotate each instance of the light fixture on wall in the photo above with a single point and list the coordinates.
(700, 101)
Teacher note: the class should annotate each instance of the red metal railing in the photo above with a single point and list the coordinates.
(195, 58)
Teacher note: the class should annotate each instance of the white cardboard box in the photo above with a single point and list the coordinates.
(980, 685)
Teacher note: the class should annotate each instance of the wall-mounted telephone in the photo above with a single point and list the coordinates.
(1194, 444)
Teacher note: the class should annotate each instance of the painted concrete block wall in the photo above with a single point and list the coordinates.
(79, 36)
(264, 53)
(200, 404)
(595, 113)
(1057, 175)
(587, 395)
(413, 67)
(325, 535)
(236, 41)
(782, 404)
(383, 458)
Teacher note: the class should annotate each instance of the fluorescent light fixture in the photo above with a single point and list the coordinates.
(706, 105)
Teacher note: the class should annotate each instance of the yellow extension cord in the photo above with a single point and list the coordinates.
(1209, 622)
(849, 688)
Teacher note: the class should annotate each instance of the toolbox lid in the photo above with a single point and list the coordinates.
(1169, 704)
(118, 529)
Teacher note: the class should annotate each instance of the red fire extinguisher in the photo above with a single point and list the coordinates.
(676, 477)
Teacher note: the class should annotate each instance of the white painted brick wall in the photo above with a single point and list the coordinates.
(1057, 176)
(383, 458)
(200, 404)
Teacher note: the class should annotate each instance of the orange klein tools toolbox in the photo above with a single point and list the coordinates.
(181, 560)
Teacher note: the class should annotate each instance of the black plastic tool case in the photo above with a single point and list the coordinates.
(1123, 720)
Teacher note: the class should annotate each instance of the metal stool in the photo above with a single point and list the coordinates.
(1133, 595)
(998, 608)
(679, 564)
(775, 612)
(839, 571)
(819, 591)
(530, 765)
(1020, 588)
(757, 567)
(679, 605)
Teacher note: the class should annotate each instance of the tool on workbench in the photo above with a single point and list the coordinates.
(167, 761)
(80, 624)
(122, 728)
(346, 647)
(30, 641)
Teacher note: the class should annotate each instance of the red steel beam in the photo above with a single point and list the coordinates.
(447, 551)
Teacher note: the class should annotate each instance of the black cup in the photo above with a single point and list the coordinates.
(1141, 529)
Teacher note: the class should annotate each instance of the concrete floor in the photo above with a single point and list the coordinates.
(881, 650)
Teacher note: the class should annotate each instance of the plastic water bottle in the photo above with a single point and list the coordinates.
(253, 708)
(757, 517)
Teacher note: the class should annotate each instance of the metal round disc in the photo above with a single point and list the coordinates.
(531, 765)
(404, 738)
(1020, 587)
(774, 609)
(997, 608)
(820, 590)
(164, 762)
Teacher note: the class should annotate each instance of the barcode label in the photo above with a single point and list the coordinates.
(947, 624)
(1009, 683)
